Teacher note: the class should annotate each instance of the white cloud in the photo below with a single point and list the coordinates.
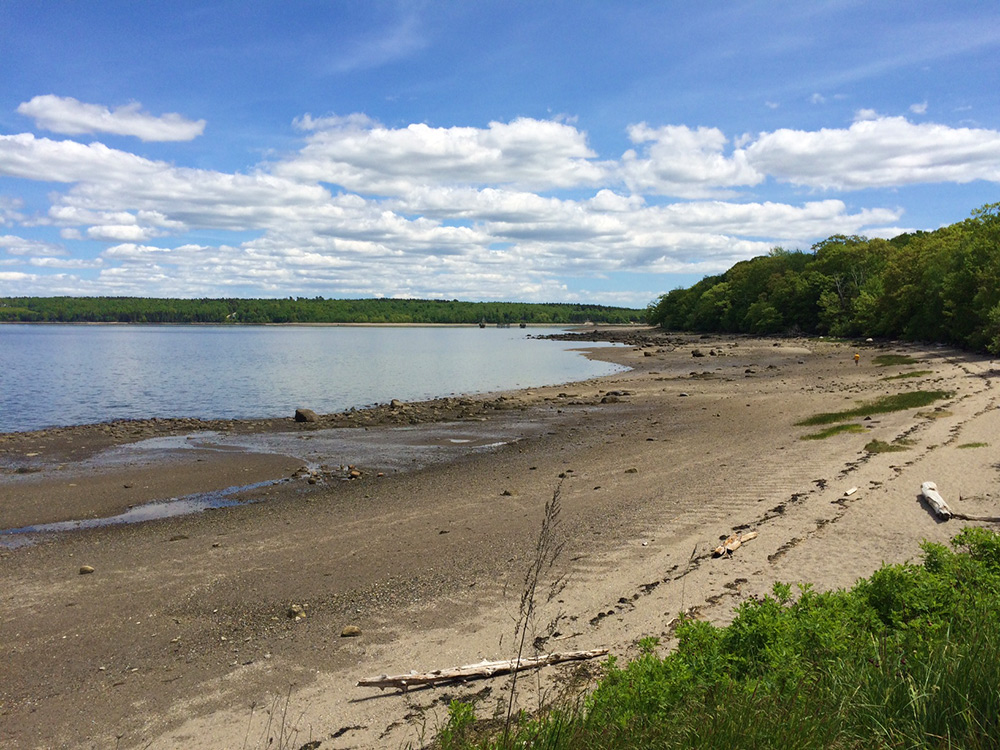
(24, 155)
(684, 162)
(919, 108)
(119, 232)
(14, 245)
(883, 152)
(10, 210)
(80, 263)
(365, 157)
(64, 114)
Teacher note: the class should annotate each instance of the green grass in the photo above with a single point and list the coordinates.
(891, 360)
(884, 405)
(905, 375)
(879, 446)
(908, 658)
(835, 430)
(974, 445)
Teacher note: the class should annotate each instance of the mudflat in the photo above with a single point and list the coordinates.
(414, 524)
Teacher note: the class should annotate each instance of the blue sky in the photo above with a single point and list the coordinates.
(541, 151)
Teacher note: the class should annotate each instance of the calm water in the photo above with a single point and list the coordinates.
(64, 375)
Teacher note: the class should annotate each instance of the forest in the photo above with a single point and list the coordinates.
(301, 310)
(941, 286)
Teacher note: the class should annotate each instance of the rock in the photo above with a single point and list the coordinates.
(632, 470)
(306, 415)
(610, 399)
(296, 612)
(351, 631)
(395, 403)
(697, 353)
(85, 569)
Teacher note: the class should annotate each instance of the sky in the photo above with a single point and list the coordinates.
(539, 151)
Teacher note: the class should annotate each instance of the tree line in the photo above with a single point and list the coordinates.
(302, 310)
(941, 286)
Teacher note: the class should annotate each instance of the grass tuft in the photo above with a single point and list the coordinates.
(884, 405)
(973, 445)
(835, 430)
(880, 446)
(905, 375)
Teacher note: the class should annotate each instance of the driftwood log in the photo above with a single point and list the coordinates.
(932, 497)
(476, 671)
(733, 543)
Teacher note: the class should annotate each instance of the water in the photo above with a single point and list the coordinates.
(55, 375)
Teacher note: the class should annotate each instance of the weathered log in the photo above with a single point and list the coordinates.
(933, 498)
(477, 671)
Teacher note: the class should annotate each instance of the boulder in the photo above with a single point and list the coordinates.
(306, 415)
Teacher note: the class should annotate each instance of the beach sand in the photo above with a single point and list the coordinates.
(181, 636)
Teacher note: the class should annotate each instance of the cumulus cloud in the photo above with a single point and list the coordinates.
(879, 152)
(64, 114)
(683, 162)
(365, 157)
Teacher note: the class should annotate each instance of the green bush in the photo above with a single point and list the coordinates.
(908, 658)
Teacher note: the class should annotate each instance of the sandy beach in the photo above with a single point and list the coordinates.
(416, 523)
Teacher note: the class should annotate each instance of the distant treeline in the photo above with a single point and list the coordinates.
(939, 286)
(300, 310)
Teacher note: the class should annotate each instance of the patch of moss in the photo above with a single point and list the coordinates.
(880, 446)
(884, 405)
(835, 430)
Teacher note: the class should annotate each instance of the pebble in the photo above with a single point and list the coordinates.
(85, 569)
(351, 631)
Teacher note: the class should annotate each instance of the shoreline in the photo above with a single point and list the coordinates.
(264, 415)
(183, 626)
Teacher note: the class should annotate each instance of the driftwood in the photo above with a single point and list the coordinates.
(930, 494)
(733, 543)
(477, 671)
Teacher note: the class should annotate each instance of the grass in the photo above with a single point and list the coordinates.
(835, 430)
(974, 445)
(905, 375)
(908, 658)
(880, 446)
(891, 360)
(884, 405)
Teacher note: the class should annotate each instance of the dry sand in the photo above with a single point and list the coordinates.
(181, 638)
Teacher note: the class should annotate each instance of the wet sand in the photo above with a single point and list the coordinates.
(181, 635)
